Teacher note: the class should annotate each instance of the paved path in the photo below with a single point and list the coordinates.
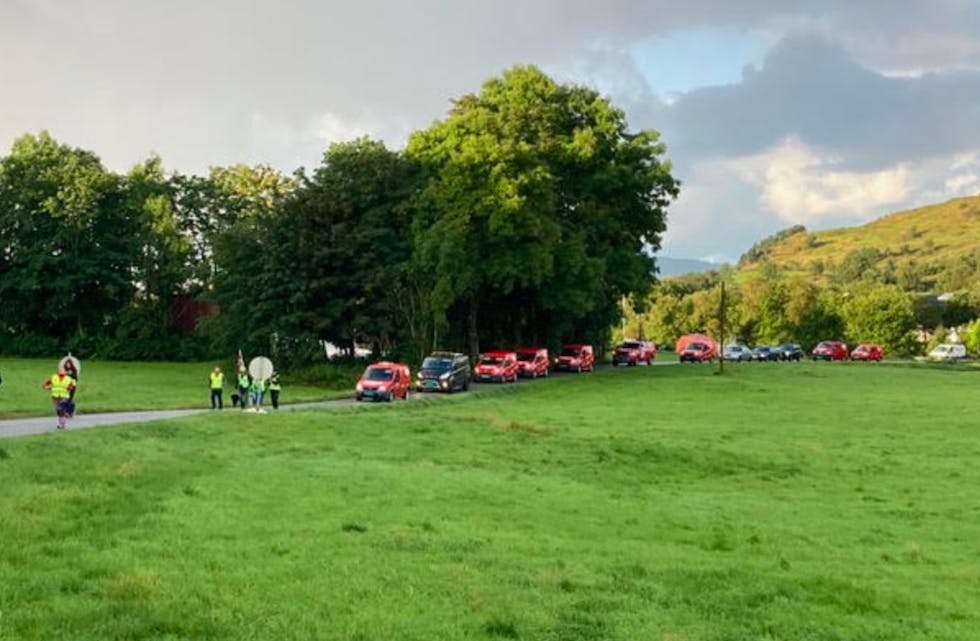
(27, 426)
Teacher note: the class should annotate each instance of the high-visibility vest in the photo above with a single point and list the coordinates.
(243, 381)
(217, 380)
(59, 386)
(258, 385)
(275, 385)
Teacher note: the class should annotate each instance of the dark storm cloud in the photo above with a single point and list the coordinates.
(813, 89)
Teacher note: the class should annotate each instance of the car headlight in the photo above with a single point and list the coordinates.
(360, 388)
(445, 377)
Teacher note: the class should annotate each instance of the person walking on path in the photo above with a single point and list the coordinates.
(72, 372)
(275, 386)
(258, 391)
(62, 388)
(217, 382)
(244, 384)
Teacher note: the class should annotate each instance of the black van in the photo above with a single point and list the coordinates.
(444, 372)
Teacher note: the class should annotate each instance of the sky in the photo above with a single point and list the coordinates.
(774, 112)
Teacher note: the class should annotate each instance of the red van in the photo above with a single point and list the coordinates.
(497, 366)
(532, 362)
(384, 382)
(575, 357)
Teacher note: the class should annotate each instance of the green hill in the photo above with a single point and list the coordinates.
(931, 248)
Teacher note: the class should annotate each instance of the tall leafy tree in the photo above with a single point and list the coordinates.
(883, 315)
(343, 242)
(234, 212)
(67, 242)
(537, 212)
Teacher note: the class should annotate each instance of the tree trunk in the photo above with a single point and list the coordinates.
(474, 335)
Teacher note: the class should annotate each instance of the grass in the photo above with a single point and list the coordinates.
(114, 386)
(797, 501)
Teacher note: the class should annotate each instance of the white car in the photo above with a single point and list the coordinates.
(737, 353)
(947, 352)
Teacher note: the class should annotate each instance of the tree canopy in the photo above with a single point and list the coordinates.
(525, 215)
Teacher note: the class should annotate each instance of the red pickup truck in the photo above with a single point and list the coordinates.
(830, 351)
(634, 352)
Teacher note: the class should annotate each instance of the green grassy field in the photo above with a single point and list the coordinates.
(792, 501)
(113, 386)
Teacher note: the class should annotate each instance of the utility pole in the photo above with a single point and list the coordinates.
(721, 315)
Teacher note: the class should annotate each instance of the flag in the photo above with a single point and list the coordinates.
(241, 361)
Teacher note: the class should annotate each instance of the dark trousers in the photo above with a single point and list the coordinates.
(216, 402)
(243, 396)
(275, 398)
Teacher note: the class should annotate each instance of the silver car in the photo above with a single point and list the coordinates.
(737, 352)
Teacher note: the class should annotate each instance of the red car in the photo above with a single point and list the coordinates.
(532, 362)
(633, 352)
(867, 352)
(496, 366)
(830, 351)
(698, 352)
(576, 358)
(384, 382)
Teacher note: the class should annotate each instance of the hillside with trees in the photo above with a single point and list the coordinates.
(929, 249)
(901, 281)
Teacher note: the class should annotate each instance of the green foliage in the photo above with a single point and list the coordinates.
(883, 315)
(525, 215)
(971, 338)
(67, 242)
(536, 209)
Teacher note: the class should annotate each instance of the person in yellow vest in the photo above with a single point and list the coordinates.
(275, 386)
(62, 388)
(244, 384)
(216, 381)
(258, 393)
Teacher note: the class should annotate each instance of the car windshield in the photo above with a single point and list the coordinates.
(630, 345)
(697, 347)
(762, 348)
(491, 360)
(825, 345)
(379, 374)
(526, 356)
(437, 363)
(568, 351)
(942, 349)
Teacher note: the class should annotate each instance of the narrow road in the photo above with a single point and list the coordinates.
(28, 426)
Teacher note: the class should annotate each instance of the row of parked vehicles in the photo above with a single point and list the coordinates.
(451, 371)
(824, 351)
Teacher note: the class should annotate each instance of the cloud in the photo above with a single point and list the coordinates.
(801, 186)
(872, 96)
